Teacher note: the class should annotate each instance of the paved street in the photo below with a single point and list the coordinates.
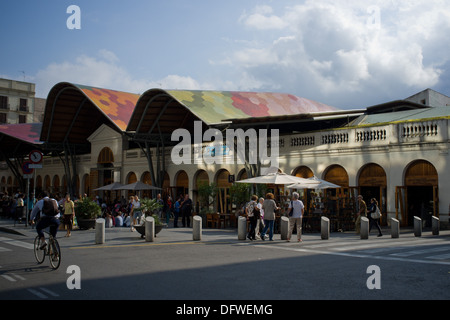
(219, 267)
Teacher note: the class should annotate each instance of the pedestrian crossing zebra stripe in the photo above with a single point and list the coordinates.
(359, 255)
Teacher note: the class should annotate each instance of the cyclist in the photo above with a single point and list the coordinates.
(48, 208)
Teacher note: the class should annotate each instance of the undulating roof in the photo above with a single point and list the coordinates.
(19, 139)
(28, 132)
(73, 112)
(173, 109)
(216, 106)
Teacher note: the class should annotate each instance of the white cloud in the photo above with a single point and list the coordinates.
(333, 51)
(105, 71)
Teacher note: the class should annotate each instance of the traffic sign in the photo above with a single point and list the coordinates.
(26, 169)
(35, 156)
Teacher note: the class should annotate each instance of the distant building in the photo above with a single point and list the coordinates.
(18, 103)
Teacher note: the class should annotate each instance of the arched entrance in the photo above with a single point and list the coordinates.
(223, 196)
(420, 192)
(372, 183)
(105, 164)
(182, 183)
(305, 194)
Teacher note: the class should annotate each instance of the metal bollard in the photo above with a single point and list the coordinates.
(417, 227)
(149, 229)
(197, 228)
(364, 228)
(284, 228)
(395, 228)
(435, 225)
(242, 228)
(100, 231)
(324, 228)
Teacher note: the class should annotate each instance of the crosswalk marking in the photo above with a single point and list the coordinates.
(17, 243)
(417, 252)
(2, 249)
(385, 249)
(440, 257)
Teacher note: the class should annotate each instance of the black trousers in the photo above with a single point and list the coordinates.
(186, 219)
(251, 233)
(373, 222)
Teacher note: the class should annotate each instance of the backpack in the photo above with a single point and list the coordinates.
(50, 207)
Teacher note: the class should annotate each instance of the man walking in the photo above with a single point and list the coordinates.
(362, 211)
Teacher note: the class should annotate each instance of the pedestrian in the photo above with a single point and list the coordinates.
(260, 221)
(168, 208)
(371, 209)
(136, 212)
(186, 210)
(296, 209)
(253, 214)
(362, 211)
(161, 202)
(269, 207)
(176, 211)
(69, 213)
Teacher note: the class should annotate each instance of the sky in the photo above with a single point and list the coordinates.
(347, 54)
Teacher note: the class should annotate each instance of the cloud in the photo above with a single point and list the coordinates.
(338, 53)
(104, 71)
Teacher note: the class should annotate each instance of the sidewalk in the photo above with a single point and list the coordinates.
(124, 236)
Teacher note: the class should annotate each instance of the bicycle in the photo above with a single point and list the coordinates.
(52, 250)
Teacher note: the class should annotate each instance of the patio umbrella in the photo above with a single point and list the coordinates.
(109, 187)
(136, 186)
(318, 184)
(279, 178)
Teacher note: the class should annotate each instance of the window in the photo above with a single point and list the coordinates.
(3, 102)
(23, 106)
(22, 119)
(2, 118)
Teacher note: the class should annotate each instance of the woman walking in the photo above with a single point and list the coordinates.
(371, 209)
(296, 207)
(252, 212)
(269, 207)
(69, 213)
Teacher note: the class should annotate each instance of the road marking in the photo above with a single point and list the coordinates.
(8, 278)
(440, 257)
(17, 276)
(49, 292)
(37, 293)
(2, 249)
(17, 243)
(355, 255)
(417, 252)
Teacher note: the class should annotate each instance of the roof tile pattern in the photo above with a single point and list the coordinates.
(117, 105)
(216, 106)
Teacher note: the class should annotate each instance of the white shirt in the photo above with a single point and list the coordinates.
(38, 208)
(298, 208)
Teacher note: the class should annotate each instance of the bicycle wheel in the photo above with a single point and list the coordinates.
(54, 254)
(39, 254)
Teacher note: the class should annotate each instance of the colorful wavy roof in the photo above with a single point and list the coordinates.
(28, 132)
(216, 106)
(116, 105)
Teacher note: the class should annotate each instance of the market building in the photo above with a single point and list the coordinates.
(396, 152)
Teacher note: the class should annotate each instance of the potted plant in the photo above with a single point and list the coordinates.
(149, 207)
(86, 211)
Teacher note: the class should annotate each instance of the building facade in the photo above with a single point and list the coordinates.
(16, 101)
(397, 152)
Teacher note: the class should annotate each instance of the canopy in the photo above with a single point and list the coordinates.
(112, 186)
(279, 178)
(318, 184)
(137, 186)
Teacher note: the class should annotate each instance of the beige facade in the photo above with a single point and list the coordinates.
(17, 100)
